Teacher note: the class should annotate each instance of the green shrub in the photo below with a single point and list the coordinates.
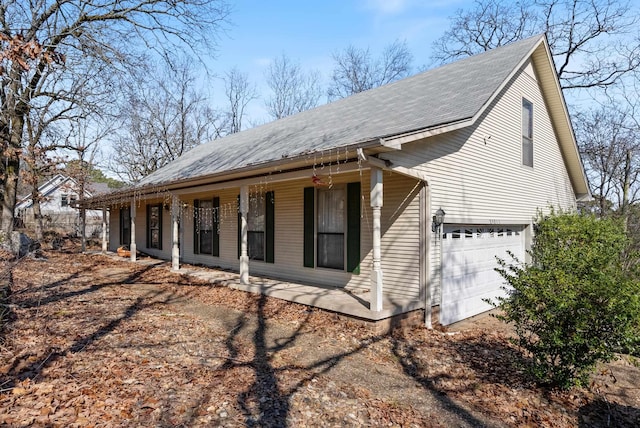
(577, 302)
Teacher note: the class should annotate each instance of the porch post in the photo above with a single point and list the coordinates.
(132, 244)
(244, 235)
(175, 238)
(376, 206)
(425, 258)
(104, 230)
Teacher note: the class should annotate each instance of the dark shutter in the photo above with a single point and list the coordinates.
(160, 209)
(269, 250)
(125, 226)
(309, 226)
(148, 226)
(196, 227)
(215, 234)
(353, 227)
(239, 227)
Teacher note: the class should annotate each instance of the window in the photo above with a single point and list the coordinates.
(206, 227)
(125, 226)
(255, 227)
(332, 227)
(68, 200)
(527, 133)
(331, 219)
(154, 226)
(260, 227)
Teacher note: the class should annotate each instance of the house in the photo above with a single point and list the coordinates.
(60, 195)
(345, 196)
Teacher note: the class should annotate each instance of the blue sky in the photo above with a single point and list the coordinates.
(311, 31)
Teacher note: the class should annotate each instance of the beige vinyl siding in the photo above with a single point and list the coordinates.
(476, 173)
(289, 239)
(400, 234)
(400, 244)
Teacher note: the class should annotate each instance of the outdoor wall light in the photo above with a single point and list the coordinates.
(438, 219)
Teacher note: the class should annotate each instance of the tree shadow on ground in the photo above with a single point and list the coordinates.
(494, 360)
(267, 402)
(408, 356)
(37, 300)
(601, 413)
(31, 366)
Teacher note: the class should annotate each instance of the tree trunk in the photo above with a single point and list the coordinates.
(14, 112)
(11, 171)
(83, 212)
(37, 213)
(83, 230)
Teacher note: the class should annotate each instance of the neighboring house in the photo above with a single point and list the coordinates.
(60, 195)
(344, 195)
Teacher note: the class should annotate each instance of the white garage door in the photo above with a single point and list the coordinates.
(468, 263)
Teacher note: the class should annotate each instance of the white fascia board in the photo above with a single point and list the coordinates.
(396, 141)
(387, 165)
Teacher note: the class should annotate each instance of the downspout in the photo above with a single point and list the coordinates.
(425, 260)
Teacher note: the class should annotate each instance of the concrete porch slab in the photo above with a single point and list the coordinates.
(334, 299)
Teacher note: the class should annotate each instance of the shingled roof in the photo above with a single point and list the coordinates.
(448, 94)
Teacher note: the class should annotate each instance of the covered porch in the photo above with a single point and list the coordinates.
(391, 282)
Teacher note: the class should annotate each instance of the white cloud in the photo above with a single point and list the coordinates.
(262, 62)
(387, 7)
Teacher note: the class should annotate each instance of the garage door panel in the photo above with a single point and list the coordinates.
(468, 267)
(473, 305)
(471, 284)
(480, 287)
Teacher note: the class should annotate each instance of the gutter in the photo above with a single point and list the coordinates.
(238, 174)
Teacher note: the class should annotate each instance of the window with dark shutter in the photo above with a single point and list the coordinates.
(332, 227)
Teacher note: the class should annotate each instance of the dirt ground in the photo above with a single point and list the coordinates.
(94, 341)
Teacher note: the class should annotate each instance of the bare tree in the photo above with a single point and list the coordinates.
(491, 23)
(38, 37)
(50, 118)
(162, 118)
(239, 93)
(40, 163)
(294, 90)
(355, 71)
(83, 142)
(594, 42)
(610, 146)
